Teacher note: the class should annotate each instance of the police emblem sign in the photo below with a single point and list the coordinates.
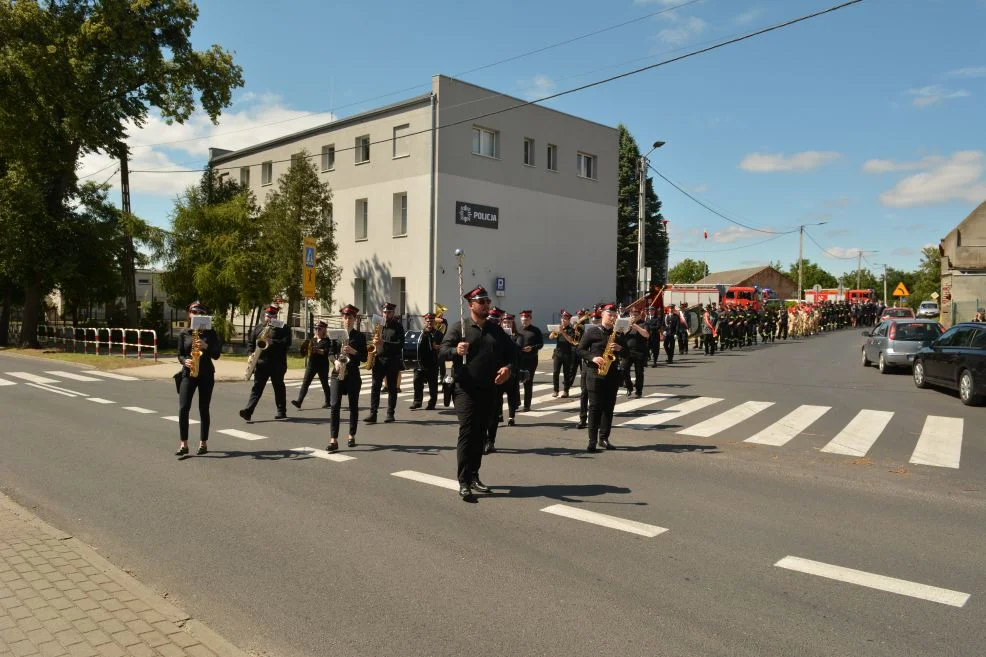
(471, 214)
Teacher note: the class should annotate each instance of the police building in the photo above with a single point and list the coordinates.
(529, 195)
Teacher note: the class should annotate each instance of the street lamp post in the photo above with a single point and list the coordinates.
(801, 251)
(641, 218)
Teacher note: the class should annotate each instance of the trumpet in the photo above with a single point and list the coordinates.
(439, 324)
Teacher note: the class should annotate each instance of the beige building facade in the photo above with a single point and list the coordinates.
(528, 193)
(963, 269)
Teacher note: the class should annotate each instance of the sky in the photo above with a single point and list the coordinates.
(869, 119)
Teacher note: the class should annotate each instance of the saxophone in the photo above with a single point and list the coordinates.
(371, 350)
(608, 356)
(193, 371)
(342, 362)
(263, 342)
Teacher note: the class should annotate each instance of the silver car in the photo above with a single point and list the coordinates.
(928, 309)
(889, 344)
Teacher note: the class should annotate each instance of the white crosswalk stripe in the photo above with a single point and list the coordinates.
(726, 420)
(603, 520)
(245, 435)
(667, 415)
(112, 375)
(632, 405)
(100, 400)
(860, 434)
(5, 382)
(322, 454)
(789, 426)
(33, 378)
(174, 418)
(138, 409)
(940, 443)
(72, 375)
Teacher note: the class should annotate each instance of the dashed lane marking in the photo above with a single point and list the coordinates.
(5, 382)
(603, 520)
(442, 482)
(726, 420)
(322, 454)
(859, 435)
(33, 378)
(112, 375)
(72, 375)
(245, 435)
(138, 409)
(100, 400)
(940, 442)
(874, 581)
(174, 418)
(789, 426)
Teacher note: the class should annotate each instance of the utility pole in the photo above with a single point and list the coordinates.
(127, 268)
(884, 284)
(641, 222)
(801, 267)
(859, 264)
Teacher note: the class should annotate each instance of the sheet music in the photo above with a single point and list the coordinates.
(201, 322)
(337, 334)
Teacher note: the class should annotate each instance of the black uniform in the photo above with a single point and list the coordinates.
(475, 390)
(350, 384)
(272, 364)
(563, 360)
(655, 325)
(602, 389)
(533, 338)
(672, 324)
(634, 358)
(318, 363)
(782, 324)
(386, 366)
(426, 371)
(210, 346)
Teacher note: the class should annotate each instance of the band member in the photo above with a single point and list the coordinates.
(318, 363)
(635, 354)
(352, 348)
(709, 331)
(208, 346)
(782, 320)
(429, 342)
(583, 388)
(563, 359)
(672, 323)
(602, 389)
(655, 325)
(531, 342)
(512, 387)
(489, 361)
(272, 364)
(390, 352)
(683, 328)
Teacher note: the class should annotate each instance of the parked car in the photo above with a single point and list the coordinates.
(894, 313)
(928, 309)
(891, 342)
(956, 360)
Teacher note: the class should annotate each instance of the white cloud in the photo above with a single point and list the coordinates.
(968, 72)
(250, 120)
(749, 15)
(537, 87)
(769, 162)
(958, 177)
(904, 251)
(888, 166)
(682, 30)
(734, 234)
(841, 252)
(934, 94)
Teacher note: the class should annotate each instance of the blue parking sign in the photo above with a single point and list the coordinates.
(501, 284)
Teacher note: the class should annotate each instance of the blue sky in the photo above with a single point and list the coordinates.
(870, 118)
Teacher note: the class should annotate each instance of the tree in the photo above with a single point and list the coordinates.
(688, 271)
(813, 275)
(75, 74)
(927, 277)
(655, 232)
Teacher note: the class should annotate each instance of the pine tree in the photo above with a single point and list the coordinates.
(656, 237)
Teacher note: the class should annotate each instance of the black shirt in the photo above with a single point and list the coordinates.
(635, 342)
(392, 343)
(593, 344)
(427, 355)
(564, 347)
(530, 337)
(277, 352)
(358, 342)
(211, 347)
(489, 350)
(319, 351)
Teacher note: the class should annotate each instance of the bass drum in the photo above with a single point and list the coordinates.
(694, 322)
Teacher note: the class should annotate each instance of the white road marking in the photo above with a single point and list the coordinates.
(603, 520)
(236, 433)
(138, 409)
(789, 426)
(54, 390)
(33, 378)
(860, 434)
(72, 375)
(64, 390)
(667, 415)
(5, 382)
(874, 581)
(322, 454)
(442, 482)
(940, 443)
(726, 420)
(174, 418)
(100, 400)
(632, 404)
(112, 375)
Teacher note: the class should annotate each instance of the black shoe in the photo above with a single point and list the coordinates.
(510, 422)
(389, 419)
(296, 403)
(326, 405)
(430, 406)
(465, 492)
(564, 395)
(245, 414)
(182, 451)
(351, 442)
(581, 425)
(202, 450)
(415, 406)
(499, 419)
(332, 447)
(281, 415)
(527, 409)
(591, 448)
(371, 418)
(639, 395)
(480, 486)
(629, 394)
(605, 444)
(489, 447)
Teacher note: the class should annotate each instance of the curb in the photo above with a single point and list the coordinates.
(196, 629)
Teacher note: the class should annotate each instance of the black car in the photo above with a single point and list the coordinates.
(955, 360)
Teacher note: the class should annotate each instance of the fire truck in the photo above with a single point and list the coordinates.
(834, 294)
(754, 298)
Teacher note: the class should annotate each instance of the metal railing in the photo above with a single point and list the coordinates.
(110, 338)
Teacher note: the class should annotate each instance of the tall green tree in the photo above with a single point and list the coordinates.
(813, 275)
(927, 278)
(655, 230)
(688, 271)
(74, 74)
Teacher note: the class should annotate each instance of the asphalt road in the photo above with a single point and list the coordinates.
(287, 553)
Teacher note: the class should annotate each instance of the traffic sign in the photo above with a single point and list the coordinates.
(901, 291)
(934, 295)
(308, 260)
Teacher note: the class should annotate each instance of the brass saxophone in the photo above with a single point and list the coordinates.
(608, 356)
(263, 342)
(342, 362)
(193, 370)
(371, 350)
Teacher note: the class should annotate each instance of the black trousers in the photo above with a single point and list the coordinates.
(635, 361)
(602, 400)
(260, 377)
(531, 366)
(583, 395)
(512, 389)
(655, 350)
(475, 408)
(682, 342)
(204, 384)
(669, 341)
(321, 368)
(389, 372)
(348, 387)
(563, 364)
(422, 376)
(709, 343)
(782, 331)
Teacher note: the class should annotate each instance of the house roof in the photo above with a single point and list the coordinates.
(732, 276)
(977, 215)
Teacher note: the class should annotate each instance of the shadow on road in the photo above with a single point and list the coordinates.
(572, 493)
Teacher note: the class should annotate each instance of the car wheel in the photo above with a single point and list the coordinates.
(865, 361)
(967, 389)
(882, 365)
(919, 374)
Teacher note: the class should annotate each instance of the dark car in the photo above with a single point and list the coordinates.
(955, 360)
(894, 341)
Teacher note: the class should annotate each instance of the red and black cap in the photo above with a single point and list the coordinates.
(508, 317)
(321, 324)
(349, 309)
(272, 310)
(428, 316)
(477, 293)
(388, 307)
(525, 313)
(565, 313)
(495, 312)
(198, 307)
(607, 308)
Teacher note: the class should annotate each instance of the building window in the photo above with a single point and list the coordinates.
(529, 152)
(485, 142)
(400, 214)
(362, 219)
(297, 157)
(359, 294)
(552, 157)
(398, 291)
(267, 173)
(244, 176)
(328, 157)
(363, 149)
(587, 166)
(400, 140)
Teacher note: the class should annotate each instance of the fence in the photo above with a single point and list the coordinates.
(115, 338)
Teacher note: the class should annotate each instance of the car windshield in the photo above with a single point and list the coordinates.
(929, 305)
(897, 312)
(917, 331)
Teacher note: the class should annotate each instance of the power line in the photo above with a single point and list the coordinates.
(115, 171)
(96, 173)
(735, 248)
(583, 87)
(826, 251)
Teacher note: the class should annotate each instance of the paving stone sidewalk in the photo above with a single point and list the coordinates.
(59, 597)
